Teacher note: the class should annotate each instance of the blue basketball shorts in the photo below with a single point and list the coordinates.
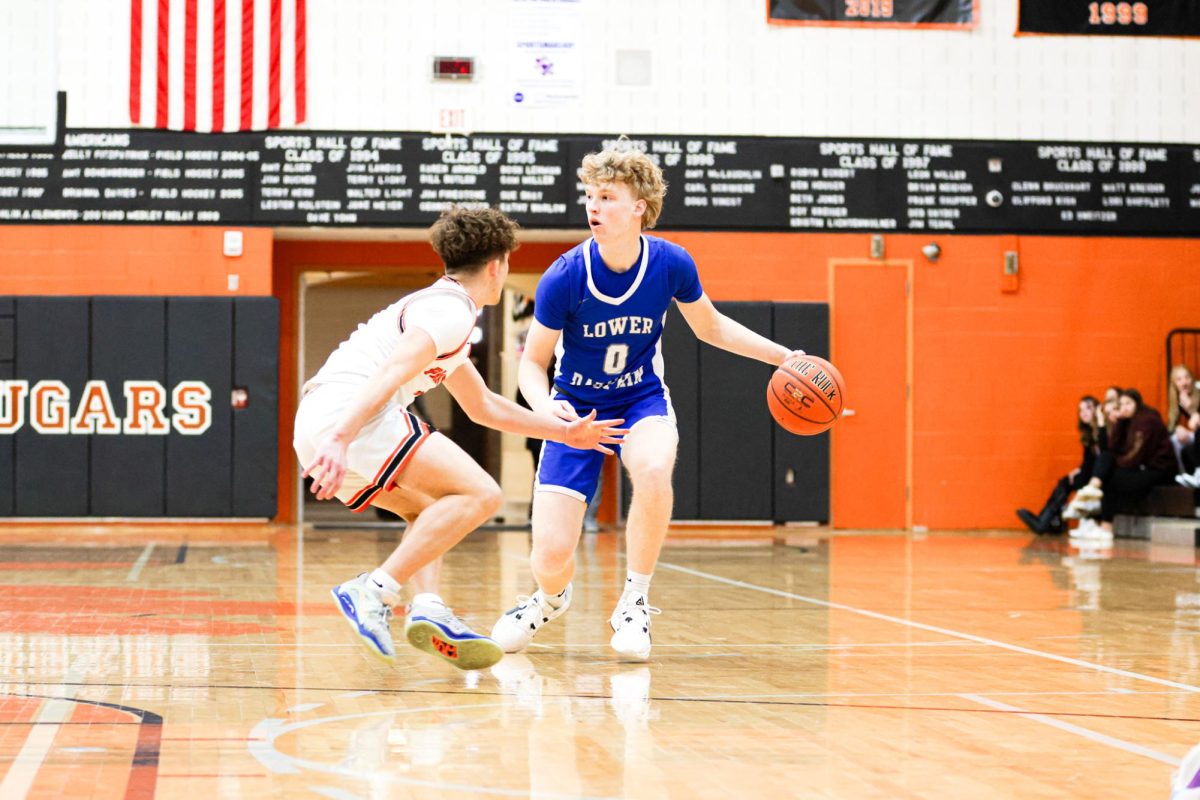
(575, 473)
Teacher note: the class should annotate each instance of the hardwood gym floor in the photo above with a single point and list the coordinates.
(205, 661)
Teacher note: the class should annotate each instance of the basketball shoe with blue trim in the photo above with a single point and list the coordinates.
(361, 603)
(433, 628)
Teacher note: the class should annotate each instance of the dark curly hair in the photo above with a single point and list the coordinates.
(467, 238)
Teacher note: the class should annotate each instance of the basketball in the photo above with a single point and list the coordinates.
(805, 395)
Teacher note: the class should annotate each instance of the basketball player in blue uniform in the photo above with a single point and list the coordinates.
(600, 308)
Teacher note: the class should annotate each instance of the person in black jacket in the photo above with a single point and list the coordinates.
(1142, 459)
(1092, 436)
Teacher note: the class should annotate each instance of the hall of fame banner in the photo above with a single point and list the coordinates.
(1093, 18)
(961, 14)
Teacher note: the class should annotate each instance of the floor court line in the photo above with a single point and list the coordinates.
(731, 697)
(140, 564)
(758, 645)
(266, 753)
(1111, 741)
(51, 716)
(933, 628)
(819, 695)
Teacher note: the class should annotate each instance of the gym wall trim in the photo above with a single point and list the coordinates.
(125, 406)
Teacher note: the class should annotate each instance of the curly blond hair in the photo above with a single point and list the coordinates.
(467, 238)
(633, 168)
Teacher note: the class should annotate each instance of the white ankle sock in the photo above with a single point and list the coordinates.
(384, 581)
(637, 582)
(556, 600)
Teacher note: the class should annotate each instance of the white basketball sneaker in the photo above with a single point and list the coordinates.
(361, 603)
(431, 626)
(514, 631)
(630, 622)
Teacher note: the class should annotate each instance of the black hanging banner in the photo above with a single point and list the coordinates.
(355, 179)
(1091, 18)
(874, 13)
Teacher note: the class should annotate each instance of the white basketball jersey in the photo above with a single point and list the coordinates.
(357, 358)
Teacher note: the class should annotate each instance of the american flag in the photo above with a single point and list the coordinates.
(217, 65)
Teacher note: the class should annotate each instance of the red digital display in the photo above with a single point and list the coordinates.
(453, 68)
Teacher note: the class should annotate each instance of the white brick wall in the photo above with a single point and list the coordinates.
(27, 63)
(717, 68)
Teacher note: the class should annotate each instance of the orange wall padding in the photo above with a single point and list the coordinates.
(996, 373)
(135, 260)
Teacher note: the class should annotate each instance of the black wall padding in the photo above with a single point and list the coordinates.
(805, 497)
(8, 352)
(228, 470)
(734, 461)
(129, 343)
(52, 343)
(681, 359)
(8, 337)
(681, 356)
(199, 341)
(255, 427)
(736, 429)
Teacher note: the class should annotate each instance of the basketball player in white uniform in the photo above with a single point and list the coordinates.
(356, 438)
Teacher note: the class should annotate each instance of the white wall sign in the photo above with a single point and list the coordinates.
(547, 65)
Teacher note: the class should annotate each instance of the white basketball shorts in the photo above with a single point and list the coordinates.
(377, 455)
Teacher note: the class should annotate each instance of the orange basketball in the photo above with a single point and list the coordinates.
(805, 395)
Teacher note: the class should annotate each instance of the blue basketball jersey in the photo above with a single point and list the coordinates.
(610, 349)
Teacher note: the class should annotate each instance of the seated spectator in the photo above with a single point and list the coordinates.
(1183, 416)
(1142, 458)
(1091, 431)
(1086, 502)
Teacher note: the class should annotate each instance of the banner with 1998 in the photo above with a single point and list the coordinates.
(1093, 18)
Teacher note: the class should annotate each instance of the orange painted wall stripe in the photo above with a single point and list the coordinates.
(134, 260)
(996, 374)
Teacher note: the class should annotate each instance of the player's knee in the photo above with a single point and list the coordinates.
(651, 476)
(551, 556)
(489, 498)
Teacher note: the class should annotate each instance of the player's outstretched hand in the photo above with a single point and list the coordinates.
(328, 468)
(589, 433)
